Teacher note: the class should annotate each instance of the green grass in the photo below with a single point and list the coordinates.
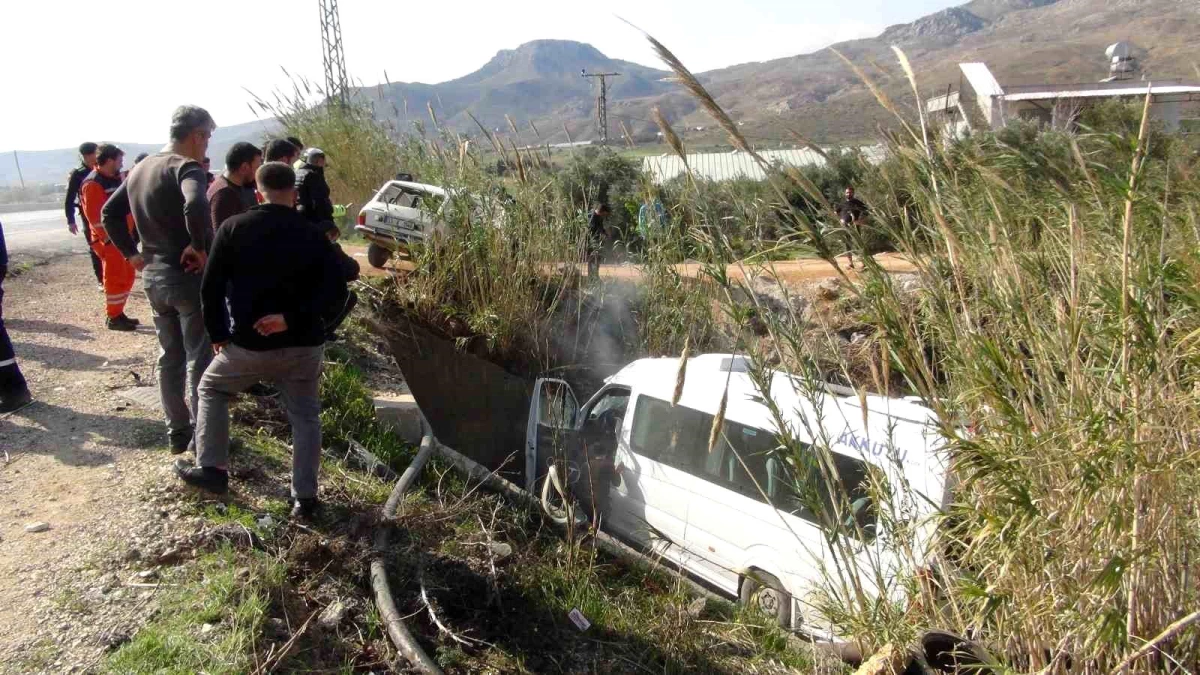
(235, 589)
(348, 412)
(229, 589)
(638, 612)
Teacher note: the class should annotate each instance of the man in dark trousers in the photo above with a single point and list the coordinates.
(166, 195)
(14, 393)
(87, 158)
(597, 236)
(276, 272)
(851, 213)
(312, 192)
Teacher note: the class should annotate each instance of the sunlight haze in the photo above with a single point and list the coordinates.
(78, 70)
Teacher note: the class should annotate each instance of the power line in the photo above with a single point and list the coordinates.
(331, 51)
(602, 102)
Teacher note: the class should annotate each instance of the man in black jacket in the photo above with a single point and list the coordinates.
(851, 213)
(346, 299)
(275, 270)
(312, 198)
(87, 158)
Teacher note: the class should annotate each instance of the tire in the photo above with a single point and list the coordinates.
(763, 591)
(378, 256)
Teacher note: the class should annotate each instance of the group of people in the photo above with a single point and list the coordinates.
(244, 278)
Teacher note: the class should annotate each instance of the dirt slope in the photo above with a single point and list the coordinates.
(79, 459)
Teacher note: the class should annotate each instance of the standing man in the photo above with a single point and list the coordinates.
(166, 194)
(275, 270)
(233, 191)
(851, 213)
(87, 157)
(100, 184)
(299, 149)
(207, 163)
(14, 393)
(312, 192)
(597, 235)
(280, 150)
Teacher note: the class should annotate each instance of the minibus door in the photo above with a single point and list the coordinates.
(550, 431)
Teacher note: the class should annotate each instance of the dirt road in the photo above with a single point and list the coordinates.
(80, 460)
(787, 271)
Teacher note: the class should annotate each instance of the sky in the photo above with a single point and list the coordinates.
(113, 71)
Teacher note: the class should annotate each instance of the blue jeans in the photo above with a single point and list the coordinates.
(184, 350)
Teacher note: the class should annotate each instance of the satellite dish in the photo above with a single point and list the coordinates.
(1119, 50)
(1122, 64)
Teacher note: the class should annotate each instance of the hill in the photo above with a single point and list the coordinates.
(1022, 41)
(540, 80)
(51, 166)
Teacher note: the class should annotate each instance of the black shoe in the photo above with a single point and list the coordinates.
(305, 508)
(181, 441)
(204, 477)
(15, 401)
(130, 319)
(262, 390)
(121, 323)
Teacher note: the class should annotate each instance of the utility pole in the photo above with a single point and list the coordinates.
(602, 102)
(331, 52)
(18, 163)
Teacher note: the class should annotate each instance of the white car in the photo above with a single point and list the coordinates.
(400, 214)
(728, 516)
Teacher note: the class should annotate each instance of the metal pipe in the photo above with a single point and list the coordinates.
(397, 631)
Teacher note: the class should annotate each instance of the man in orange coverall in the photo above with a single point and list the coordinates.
(104, 180)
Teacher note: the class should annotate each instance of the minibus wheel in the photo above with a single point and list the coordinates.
(764, 592)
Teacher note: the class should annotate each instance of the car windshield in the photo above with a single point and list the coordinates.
(411, 198)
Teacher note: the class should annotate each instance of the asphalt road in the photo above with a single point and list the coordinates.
(40, 233)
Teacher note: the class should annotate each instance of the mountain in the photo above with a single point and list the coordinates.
(1022, 41)
(52, 166)
(817, 95)
(540, 80)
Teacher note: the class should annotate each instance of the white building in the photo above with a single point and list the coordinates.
(719, 166)
(1056, 105)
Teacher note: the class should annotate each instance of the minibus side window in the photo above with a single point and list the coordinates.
(761, 454)
(676, 436)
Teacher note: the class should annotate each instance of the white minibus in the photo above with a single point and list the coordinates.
(733, 517)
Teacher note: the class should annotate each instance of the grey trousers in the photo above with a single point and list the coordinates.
(297, 373)
(184, 349)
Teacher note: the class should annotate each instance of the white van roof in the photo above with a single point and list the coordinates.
(707, 374)
(889, 425)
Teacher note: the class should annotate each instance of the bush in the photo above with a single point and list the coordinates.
(362, 150)
(1057, 315)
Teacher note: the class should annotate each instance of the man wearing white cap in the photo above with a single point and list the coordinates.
(312, 192)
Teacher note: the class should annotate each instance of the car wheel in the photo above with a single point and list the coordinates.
(763, 592)
(378, 256)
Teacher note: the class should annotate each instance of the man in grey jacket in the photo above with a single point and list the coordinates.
(166, 195)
